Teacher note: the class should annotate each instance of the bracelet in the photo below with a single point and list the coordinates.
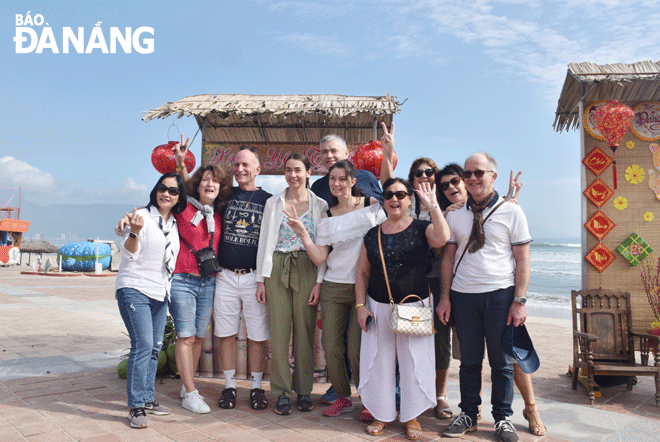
(359, 305)
(179, 169)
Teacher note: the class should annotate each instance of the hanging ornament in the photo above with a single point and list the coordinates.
(163, 159)
(600, 257)
(634, 249)
(370, 157)
(597, 161)
(598, 192)
(613, 120)
(646, 124)
(599, 225)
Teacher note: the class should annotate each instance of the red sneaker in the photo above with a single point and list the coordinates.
(341, 405)
(365, 415)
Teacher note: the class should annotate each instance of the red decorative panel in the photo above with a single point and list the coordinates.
(598, 192)
(600, 257)
(597, 161)
(599, 225)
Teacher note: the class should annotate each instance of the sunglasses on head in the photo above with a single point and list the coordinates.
(419, 172)
(399, 194)
(162, 188)
(454, 182)
(477, 173)
(251, 149)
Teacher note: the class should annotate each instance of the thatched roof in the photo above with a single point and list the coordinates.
(591, 82)
(38, 246)
(282, 118)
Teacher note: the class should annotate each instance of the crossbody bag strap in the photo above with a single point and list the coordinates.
(468, 245)
(382, 259)
(186, 242)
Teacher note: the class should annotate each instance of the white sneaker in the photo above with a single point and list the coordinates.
(195, 402)
(183, 391)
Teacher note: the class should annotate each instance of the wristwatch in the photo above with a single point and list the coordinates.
(520, 300)
(133, 234)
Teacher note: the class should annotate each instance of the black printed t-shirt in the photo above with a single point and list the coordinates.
(240, 228)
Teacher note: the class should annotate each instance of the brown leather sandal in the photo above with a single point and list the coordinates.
(377, 427)
(413, 430)
(536, 427)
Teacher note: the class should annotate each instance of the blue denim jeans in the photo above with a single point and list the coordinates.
(191, 304)
(482, 316)
(145, 320)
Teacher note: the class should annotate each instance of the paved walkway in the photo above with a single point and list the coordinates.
(61, 338)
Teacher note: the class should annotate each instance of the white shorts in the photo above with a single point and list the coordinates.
(232, 292)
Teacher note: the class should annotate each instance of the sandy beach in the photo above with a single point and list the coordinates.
(62, 336)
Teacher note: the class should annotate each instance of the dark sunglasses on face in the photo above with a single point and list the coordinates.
(477, 173)
(419, 172)
(399, 194)
(162, 188)
(454, 182)
(251, 149)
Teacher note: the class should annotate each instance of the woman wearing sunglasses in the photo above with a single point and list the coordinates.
(405, 243)
(338, 242)
(191, 300)
(452, 195)
(424, 170)
(149, 249)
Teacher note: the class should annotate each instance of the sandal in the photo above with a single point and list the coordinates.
(536, 427)
(227, 398)
(377, 427)
(443, 413)
(365, 415)
(258, 399)
(413, 430)
(305, 403)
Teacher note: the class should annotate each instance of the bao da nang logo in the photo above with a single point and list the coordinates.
(33, 36)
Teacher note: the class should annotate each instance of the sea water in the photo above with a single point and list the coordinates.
(555, 271)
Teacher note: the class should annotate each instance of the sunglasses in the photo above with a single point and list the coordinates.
(399, 194)
(162, 188)
(251, 149)
(477, 173)
(454, 182)
(419, 172)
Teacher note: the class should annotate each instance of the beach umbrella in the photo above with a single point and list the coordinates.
(370, 157)
(163, 159)
(613, 120)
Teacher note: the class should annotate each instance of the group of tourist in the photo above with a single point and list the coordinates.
(445, 236)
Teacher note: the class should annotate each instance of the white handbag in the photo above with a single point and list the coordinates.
(407, 319)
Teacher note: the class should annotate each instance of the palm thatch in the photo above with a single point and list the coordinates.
(590, 82)
(289, 119)
(38, 246)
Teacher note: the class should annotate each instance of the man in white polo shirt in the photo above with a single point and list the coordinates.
(485, 274)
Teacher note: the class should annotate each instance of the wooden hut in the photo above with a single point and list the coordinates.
(612, 213)
(279, 124)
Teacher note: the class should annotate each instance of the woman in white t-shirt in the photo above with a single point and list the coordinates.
(338, 242)
(149, 249)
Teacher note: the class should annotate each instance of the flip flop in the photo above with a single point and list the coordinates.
(443, 413)
(413, 426)
(536, 427)
(378, 426)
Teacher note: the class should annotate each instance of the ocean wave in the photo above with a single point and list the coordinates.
(567, 245)
(544, 300)
(556, 272)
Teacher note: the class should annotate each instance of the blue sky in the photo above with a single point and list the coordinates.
(477, 75)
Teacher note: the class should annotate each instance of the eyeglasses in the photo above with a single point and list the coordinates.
(454, 182)
(162, 188)
(477, 173)
(251, 149)
(399, 194)
(419, 172)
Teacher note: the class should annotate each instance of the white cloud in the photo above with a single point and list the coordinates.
(15, 172)
(310, 9)
(130, 186)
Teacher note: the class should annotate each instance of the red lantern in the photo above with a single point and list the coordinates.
(163, 160)
(370, 157)
(613, 120)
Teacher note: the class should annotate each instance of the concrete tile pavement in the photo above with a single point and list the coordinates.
(70, 327)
